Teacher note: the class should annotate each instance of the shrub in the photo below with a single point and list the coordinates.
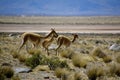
(33, 61)
(53, 62)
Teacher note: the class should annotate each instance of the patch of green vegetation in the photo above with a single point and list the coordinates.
(2, 76)
(33, 61)
(6, 71)
(38, 59)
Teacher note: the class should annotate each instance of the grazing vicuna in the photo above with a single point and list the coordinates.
(34, 38)
(63, 40)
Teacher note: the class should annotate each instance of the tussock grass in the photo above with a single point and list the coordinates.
(41, 68)
(67, 53)
(118, 58)
(77, 76)
(6, 71)
(34, 51)
(61, 73)
(14, 54)
(22, 57)
(114, 68)
(81, 60)
(107, 59)
(95, 71)
(98, 52)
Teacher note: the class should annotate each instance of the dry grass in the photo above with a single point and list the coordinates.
(61, 72)
(22, 57)
(95, 71)
(14, 54)
(107, 59)
(34, 51)
(118, 59)
(75, 58)
(98, 52)
(114, 68)
(67, 53)
(81, 60)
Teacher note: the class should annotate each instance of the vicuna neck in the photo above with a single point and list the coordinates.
(74, 39)
(48, 35)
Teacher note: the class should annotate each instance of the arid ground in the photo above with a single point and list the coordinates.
(60, 28)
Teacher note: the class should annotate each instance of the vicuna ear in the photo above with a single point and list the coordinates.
(52, 29)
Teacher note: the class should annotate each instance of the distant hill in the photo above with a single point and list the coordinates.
(60, 7)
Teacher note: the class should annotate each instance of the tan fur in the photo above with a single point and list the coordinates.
(63, 40)
(35, 38)
(47, 42)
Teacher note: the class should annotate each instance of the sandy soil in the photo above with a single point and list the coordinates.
(60, 28)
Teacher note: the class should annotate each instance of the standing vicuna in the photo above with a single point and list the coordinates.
(63, 40)
(34, 38)
(47, 42)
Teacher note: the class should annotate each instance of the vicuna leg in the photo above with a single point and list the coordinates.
(22, 44)
(58, 48)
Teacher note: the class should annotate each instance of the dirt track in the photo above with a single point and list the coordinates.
(60, 28)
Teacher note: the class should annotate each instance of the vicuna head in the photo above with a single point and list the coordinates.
(54, 33)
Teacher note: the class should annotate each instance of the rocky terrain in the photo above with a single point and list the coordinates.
(90, 57)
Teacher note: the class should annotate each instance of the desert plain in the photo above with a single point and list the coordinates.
(88, 58)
